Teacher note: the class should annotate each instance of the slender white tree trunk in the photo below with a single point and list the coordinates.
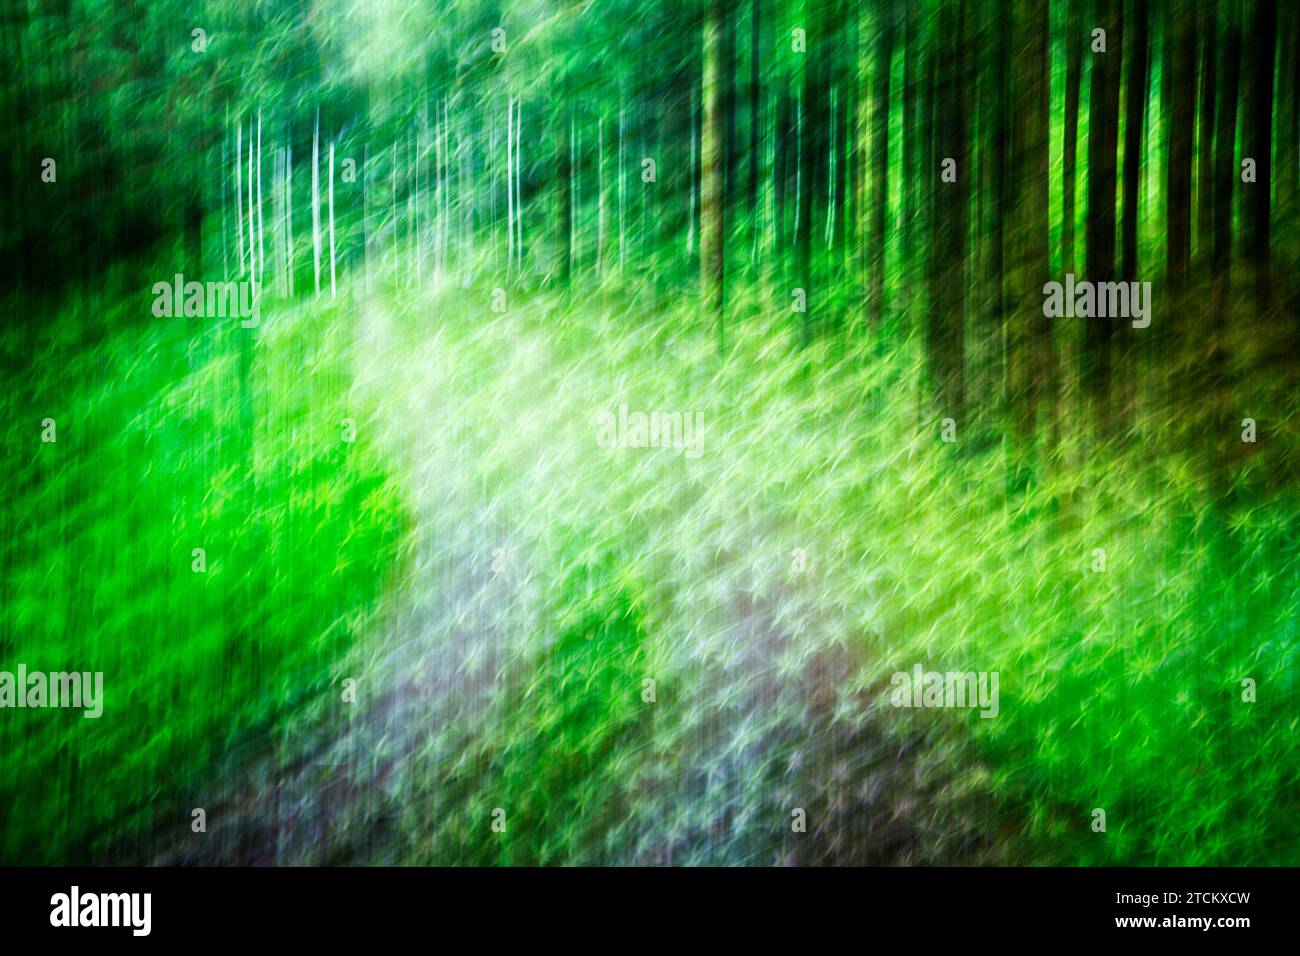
(252, 243)
(365, 210)
(225, 190)
(690, 223)
(412, 204)
(277, 235)
(519, 192)
(830, 178)
(331, 220)
(622, 233)
(261, 253)
(510, 188)
(600, 215)
(440, 194)
(392, 216)
(239, 191)
(493, 217)
(288, 211)
(574, 203)
(444, 190)
(462, 198)
(438, 224)
(467, 259)
(446, 158)
(419, 233)
(315, 200)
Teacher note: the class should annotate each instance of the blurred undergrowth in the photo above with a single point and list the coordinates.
(165, 445)
(624, 564)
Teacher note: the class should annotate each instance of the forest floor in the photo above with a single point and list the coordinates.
(771, 713)
(632, 656)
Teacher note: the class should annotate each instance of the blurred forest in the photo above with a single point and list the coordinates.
(829, 223)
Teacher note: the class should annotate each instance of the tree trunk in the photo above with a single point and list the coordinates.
(755, 124)
(813, 123)
(913, 164)
(331, 215)
(1226, 171)
(1289, 182)
(1075, 42)
(1135, 115)
(315, 203)
(880, 162)
(731, 141)
(564, 195)
(1099, 231)
(1225, 175)
(1135, 87)
(711, 170)
(998, 119)
(1032, 368)
(1180, 120)
(1257, 106)
(1205, 160)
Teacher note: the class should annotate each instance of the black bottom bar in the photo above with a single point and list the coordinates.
(336, 906)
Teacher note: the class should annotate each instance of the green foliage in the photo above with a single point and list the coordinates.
(165, 444)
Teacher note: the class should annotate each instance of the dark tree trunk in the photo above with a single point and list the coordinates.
(1076, 41)
(1257, 107)
(1180, 119)
(880, 162)
(913, 165)
(1226, 171)
(1205, 161)
(1032, 369)
(1136, 84)
(1225, 175)
(1289, 184)
(1135, 115)
(996, 123)
(731, 141)
(1103, 133)
(755, 114)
